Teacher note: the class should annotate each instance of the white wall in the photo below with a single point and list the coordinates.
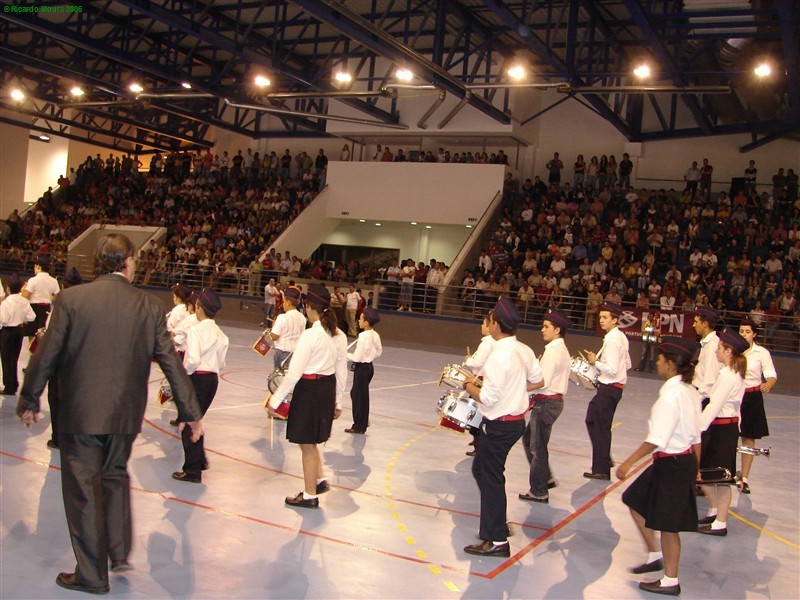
(13, 167)
(47, 161)
(433, 193)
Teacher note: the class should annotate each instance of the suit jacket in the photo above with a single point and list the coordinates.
(99, 346)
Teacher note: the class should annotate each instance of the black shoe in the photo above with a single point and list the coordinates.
(744, 488)
(706, 529)
(52, 444)
(657, 588)
(531, 498)
(551, 484)
(353, 430)
(471, 452)
(301, 502)
(183, 476)
(489, 549)
(205, 466)
(656, 565)
(120, 566)
(638, 369)
(322, 487)
(707, 520)
(69, 581)
(173, 422)
(7, 392)
(602, 476)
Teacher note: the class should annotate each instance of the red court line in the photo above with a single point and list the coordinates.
(561, 524)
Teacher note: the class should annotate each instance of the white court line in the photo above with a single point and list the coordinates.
(382, 365)
(397, 387)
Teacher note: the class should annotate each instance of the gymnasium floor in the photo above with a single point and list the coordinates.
(403, 504)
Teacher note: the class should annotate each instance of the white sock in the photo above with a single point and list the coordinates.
(653, 556)
(308, 496)
(712, 512)
(320, 480)
(500, 543)
(668, 581)
(717, 524)
(744, 479)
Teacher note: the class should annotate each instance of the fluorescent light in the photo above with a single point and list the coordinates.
(343, 77)
(516, 72)
(17, 95)
(642, 71)
(763, 70)
(262, 81)
(186, 85)
(44, 138)
(377, 224)
(362, 221)
(135, 88)
(77, 91)
(427, 227)
(413, 222)
(403, 74)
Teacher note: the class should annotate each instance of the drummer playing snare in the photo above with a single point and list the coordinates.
(612, 363)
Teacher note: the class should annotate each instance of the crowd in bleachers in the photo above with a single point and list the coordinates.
(573, 245)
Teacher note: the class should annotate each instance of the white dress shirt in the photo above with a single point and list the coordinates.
(206, 348)
(16, 310)
(613, 360)
(178, 313)
(368, 348)
(479, 357)
(319, 353)
(288, 327)
(674, 424)
(725, 399)
(509, 368)
(555, 368)
(181, 330)
(759, 362)
(42, 287)
(708, 367)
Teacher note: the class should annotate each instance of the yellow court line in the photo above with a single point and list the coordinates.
(762, 530)
(615, 425)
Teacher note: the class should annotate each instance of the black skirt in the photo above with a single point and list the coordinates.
(311, 411)
(718, 447)
(664, 494)
(754, 417)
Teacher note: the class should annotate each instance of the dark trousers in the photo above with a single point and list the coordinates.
(205, 386)
(52, 400)
(10, 346)
(599, 418)
(544, 413)
(96, 490)
(359, 394)
(648, 360)
(488, 468)
(41, 311)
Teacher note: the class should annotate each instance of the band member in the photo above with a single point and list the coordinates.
(662, 498)
(651, 338)
(40, 290)
(287, 327)
(508, 372)
(754, 417)
(317, 377)
(612, 362)
(476, 362)
(708, 367)
(719, 423)
(15, 311)
(181, 330)
(180, 301)
(206, 349)
(548, 402)
(367, 350)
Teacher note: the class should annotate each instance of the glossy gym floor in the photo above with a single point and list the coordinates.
(403, 504)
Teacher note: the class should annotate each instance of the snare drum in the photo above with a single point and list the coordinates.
(455, 376)
(273, 383)
(459, 412)
(583, 373)
(263, 343)
(164, 392)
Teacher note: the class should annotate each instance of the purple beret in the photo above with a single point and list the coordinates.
(558, 318)
(707, 313)
(678, 346)
(210, 302)
(371, 315)
(293, 293)
(506, 313)
(734, 340)
(614, 309)
(319, 294)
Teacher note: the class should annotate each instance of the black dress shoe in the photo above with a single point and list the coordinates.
(602, 476)
(7, 392)
(322, 487)
(352, 430)
(531, 498)
(706, 529)
(551, 484)
(183, 476)
(657, 588)
(120, 566)
(52, 444)
(205, 466)
(301, 502)
(489, 549)
(69, 581)
(656, 565)
(707, 520)
(173, 422)
(471, 452)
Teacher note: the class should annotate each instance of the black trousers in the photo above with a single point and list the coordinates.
(488, 468)
(359, 394)
(41, 311)
(52, 400)
(205, 386)
(96, 490)
(10, 346)
(599, 418)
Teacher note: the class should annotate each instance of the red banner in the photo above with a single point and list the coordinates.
(673, 323)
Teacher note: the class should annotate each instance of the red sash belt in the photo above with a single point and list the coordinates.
(204, 373)
(315, 376)
(619, 386)
(511, 418)
(753, 389)
(725, 420)
(550, 396)
(657, 455)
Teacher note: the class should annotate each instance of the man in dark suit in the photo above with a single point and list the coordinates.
(99, 345)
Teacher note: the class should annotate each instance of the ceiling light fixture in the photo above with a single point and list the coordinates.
(516, 72)
(77, 91)
(763, 70)
(186, 85)
(135, 88)
(262, 81)
(342, 77)
(17, 95)
(403, 74)
(642, 71)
